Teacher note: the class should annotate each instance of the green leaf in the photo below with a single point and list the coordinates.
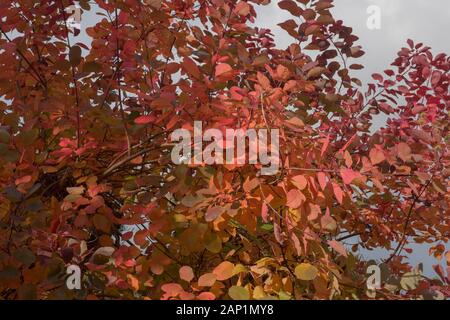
(238, 293)
(267, 227)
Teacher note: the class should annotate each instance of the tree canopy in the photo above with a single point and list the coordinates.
(86, 176)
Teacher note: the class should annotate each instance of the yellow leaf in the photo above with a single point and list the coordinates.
(306, 271)
(133, 281)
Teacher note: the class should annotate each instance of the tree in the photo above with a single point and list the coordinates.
(86, 176)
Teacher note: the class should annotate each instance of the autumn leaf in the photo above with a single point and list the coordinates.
(104, 166)
(322, 178)
(207, 280)
(191, 67)
(224, 271)
(404, 151)
(186, 273)
(238, 293)
(339, 194)
(223, 69)
(376, 156)
(294, 198)
(75, 55)
(242, 8)
(145, 119)
(300, 182)
(327, 222)
(24, 179)
(250, 185)
(338, 247)
(315, 72)
(172, 288)
(348, 175)
(263, 81)
(213, 213)
(306, 272)
(206, 296)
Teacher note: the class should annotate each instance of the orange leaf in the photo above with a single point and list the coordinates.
(206, 296)
(186, 273)
(249, 185)
(22, 180)
(322, 180)
(224, 271)
(338, 192)
(295, 198)
(207, 280)
(133, 281)
(263, 81)
(222, 69)
(172, 288)
(242, 8)
(145, 119)
(282, 72)
(376, 156)
(403, 151)
(300, 182)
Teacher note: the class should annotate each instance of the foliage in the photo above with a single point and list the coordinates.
(86, 176)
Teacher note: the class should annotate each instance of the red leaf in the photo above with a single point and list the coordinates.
(338, 192)
(435, 77)
(263, 81)
(224, 271)
(378, 77)
(265, 212)
(321, 176)
(206, 296)
(249, 185)
(223, 69)
(145, 119)
(338, 247)
(191, 67)
(24, 179)
(290, 6)
(325, 146)
(348, 175)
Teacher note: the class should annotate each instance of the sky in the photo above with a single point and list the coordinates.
(426, 21)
